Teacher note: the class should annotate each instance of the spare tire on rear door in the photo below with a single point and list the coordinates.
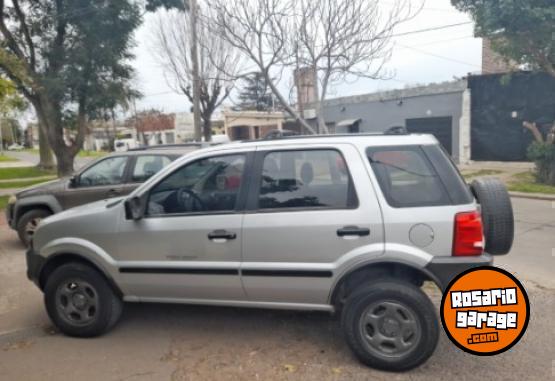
(497, 214)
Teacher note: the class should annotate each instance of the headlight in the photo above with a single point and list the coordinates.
(12, 199)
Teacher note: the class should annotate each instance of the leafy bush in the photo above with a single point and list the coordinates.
(543, 155)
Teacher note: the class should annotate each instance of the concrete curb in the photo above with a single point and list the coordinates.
(533, 196)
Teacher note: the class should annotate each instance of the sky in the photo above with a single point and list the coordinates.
(419, 58)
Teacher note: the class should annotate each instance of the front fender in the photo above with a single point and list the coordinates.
(45, 200)
(83, 248)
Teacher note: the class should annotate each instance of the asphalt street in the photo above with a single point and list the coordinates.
(162, 342)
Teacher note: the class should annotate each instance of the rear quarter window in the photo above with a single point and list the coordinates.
(408, 178)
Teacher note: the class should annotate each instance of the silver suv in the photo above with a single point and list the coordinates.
(345, 224)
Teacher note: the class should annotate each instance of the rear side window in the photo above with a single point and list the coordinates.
(306, 179)
(148, 165)
(407, 177)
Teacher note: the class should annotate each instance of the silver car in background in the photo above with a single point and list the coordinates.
(351, 225)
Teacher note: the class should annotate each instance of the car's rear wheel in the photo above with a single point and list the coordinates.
(80, 302)
(28, 223)
(390, 325)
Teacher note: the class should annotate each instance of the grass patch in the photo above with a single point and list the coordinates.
(481, 173)
(92, 153)
(4, 158)
(31, 150)
(23, 183)
(526, 182)
(23, 173)
(4, 201)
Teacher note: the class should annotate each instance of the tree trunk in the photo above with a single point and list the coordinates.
(207, 128)
(64, 158)
(46, 160)
(52, 128)
(550, 175)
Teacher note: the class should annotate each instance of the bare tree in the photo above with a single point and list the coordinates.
(260, 30)
(218, 61)
(337, 39)
(334, 38)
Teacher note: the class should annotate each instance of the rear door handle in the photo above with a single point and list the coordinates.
(221, 234)
(353, 231)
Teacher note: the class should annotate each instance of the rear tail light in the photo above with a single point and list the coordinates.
(468, 238)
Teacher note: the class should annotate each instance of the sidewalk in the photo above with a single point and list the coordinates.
(533, 196)
(16, 164)
(508, 172)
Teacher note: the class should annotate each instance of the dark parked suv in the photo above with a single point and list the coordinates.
(114, 175)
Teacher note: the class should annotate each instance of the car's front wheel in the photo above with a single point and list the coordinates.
(28, 223)
(390, 325)
(80, 302)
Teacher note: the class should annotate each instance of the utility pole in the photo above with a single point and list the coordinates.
(193, 13)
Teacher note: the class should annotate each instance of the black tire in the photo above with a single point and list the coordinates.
(99, 313)
(497, 214)
(27, 218)
(415, 307)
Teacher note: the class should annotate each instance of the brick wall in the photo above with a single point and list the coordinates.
(492, 62)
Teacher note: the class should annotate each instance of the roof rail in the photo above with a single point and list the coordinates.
(391, 131)
(172, 146)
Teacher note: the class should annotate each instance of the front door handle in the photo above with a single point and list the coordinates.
(221, 234)
(353, 231)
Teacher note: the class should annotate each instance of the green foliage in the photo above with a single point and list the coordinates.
(4, 158)
(527, 182)
(4, 201)
(521, 30)
(543, 155)
(22, 173)
(70, 59)
(10, 101)
(23, 183)
(255, 95)
(83, 153)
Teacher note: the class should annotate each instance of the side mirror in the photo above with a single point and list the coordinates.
(74, 181)
(135, 208)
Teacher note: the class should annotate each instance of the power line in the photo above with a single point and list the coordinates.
(440, 56)
(441, 41)
(431, 29)
(433, 9)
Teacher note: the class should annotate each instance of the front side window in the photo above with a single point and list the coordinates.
(206, 185)
(406, 177)
(148, 165)
(109, 171)
(306, 179)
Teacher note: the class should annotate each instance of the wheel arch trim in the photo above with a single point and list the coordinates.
(376, 263)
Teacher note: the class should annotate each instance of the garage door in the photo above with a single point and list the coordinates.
(440, 127)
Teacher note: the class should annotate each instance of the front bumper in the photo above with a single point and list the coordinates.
(10, 215)
(35, 264)
(444, 269)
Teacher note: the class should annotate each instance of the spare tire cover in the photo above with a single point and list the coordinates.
(497, 214)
